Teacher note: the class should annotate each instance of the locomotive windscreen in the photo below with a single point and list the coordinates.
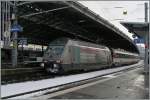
(58, 49)
(55, 49)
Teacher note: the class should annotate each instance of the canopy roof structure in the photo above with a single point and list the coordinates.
(139, 28)
(45, 21)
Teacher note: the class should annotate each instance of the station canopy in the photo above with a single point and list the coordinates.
(45, 21)
(138, 28)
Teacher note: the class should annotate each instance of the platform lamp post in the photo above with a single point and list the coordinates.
(15, 36)
(146, 66)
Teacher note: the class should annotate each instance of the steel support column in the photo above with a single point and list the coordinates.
(146, 65)
(146, 40)
(14, 38)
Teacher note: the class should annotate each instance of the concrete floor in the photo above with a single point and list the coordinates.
(127, 86)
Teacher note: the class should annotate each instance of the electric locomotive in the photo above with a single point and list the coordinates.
(64, 54)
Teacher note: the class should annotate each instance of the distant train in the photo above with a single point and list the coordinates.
(64, 54)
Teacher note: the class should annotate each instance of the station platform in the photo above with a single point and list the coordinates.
(127, 85)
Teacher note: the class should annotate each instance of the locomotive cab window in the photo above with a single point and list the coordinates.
(56, 48)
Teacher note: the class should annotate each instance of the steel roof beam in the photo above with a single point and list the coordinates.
(65, 30)
(33, 14)
(60, 23)
(24, 3)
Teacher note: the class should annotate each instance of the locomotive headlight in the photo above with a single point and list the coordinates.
(42, 64)
(58, 61)
(55, 65)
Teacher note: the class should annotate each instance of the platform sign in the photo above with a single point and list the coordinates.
(139, 40)
(16, 28)
(22, 41)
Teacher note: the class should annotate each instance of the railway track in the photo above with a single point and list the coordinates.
(17, 75)
(10, 76)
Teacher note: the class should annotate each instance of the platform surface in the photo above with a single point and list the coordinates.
(129, 85)
(29, 86)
